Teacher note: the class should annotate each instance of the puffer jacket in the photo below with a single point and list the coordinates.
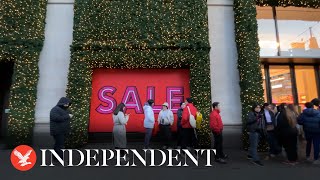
(310, 119)
(148, 116)
(59, 118)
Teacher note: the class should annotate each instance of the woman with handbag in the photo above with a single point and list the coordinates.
(256, 128)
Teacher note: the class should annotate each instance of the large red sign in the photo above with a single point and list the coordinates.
(134, 87)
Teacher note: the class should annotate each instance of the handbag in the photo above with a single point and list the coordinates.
(192, 120)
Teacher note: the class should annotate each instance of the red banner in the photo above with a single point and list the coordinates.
(110, 87)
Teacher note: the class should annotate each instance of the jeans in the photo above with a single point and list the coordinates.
(253, 148)
(315, 140)
(218, 145)
(165, 133)
(59, 144)
(309, 142)
(316, 144)
(147, 137)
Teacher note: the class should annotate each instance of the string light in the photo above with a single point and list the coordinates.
(22, 34)
(138, 34)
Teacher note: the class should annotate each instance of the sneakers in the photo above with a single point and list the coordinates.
(221, 161)
(249, 157)
(257, 163)
(316, 162)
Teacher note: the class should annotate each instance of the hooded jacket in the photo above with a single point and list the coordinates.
(310, 119)
(59, 118)
(148, 116)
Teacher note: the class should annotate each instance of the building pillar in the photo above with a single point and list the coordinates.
(54, 58)
(225, 86)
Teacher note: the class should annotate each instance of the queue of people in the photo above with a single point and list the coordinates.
(281, 126)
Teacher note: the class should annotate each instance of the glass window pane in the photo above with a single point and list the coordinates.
(299, 31)
(306, 84)
(280, 80)
(266, 32)
(264, 84)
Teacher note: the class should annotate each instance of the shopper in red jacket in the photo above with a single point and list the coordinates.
(216, 127)
(188, 133)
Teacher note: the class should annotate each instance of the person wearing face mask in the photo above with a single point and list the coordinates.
(60, 118)
(256, 128)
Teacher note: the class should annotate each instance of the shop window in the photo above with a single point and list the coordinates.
(281, 87)
(306, 84)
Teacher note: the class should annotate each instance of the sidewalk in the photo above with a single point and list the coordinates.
(237, 168)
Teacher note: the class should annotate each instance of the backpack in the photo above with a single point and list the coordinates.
(192, 120)
(199, 120)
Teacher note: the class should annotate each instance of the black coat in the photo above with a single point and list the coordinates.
(59, 118)
(179, 114)
(255, 122)
(283, 129)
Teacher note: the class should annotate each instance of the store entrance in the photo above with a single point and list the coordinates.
(291, 83)
(6, 71)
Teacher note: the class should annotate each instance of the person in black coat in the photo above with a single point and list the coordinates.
(179, 126)
(60, 124)
(287, 134)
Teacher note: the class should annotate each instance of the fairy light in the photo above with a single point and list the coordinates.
(246, 31)
(138, 34)
(22, 35)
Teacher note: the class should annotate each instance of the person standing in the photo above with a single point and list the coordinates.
(60, 118)
(179, 126)
(148, 122)
(255, 128)
(187, 130)
(216, 127)
(310, 120)
(288, 133)
(165, 121)
(119, 128)
(270, 126)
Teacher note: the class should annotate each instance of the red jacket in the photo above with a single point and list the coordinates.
(216, 124)
(185, 115)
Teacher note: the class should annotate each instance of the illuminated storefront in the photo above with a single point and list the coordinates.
(290, 55)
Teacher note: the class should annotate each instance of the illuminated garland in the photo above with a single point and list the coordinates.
(22, 34)
(246, 31)
(138, 34)
(284, 3)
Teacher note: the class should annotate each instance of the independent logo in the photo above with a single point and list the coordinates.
(23, 158)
